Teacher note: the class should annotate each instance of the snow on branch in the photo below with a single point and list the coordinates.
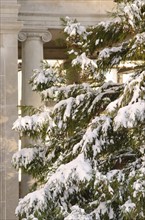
(78, 214)
(27, 158)
(74, 28)
(78, 169)
(64, 92)
(65, 180)
(45, 77)
(31, 204)
(70, 113)
(32, 124)
(130, 106)
(91, 164)
(84, 62)
(134, 92)
(113, 54)
(133, 11)
(136, 46)
(130, 116)
(128, 207)
(96, 137)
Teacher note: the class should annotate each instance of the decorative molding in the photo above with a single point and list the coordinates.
(22, 36)
(10, 28)
(9, 23)
(47, 13)
(46, 37)
(30, 35)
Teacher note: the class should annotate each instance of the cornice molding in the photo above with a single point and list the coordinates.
(9, 23)
(8, 9)
(48, 12)
(10, 27)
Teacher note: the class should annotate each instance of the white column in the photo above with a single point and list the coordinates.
(9, 28)
(32, 56)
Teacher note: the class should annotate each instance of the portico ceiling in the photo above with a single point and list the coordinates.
(52, 49)
(44, 15)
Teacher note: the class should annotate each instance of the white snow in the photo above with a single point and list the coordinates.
(31, 203)
(45, 77)
(139, 188)
(84, 61)
(112, 106)
(77, 214)
(96, 136)
(34, 122)
(103, 208)
(67, 105)
(105, 53)
(64, 92)
(25, 156)
(78, 169)
(129, 116)
(128, 206)
(68, 109)
(75, 28)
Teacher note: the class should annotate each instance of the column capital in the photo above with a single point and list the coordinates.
(30, 35)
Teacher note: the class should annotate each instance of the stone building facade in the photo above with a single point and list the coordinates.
(35, 24)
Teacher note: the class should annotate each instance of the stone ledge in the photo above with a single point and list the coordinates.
(12, 27)
(8, 8)
(49, 12)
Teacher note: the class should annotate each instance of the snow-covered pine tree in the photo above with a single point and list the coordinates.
(88, 159)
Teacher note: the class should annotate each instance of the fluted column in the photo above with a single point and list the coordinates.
(9, 28)
(32, 55)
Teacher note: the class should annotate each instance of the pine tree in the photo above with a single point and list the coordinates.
(88, 158)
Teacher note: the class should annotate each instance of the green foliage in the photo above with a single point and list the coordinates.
(88, 160)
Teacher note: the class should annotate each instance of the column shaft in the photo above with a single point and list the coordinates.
(32, 55)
